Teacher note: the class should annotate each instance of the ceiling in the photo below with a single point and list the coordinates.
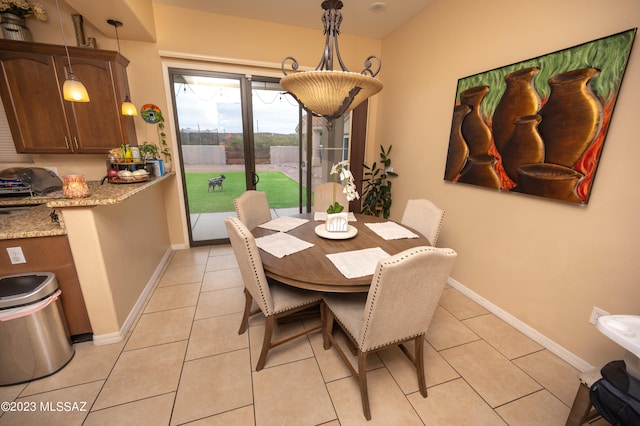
(358, 17)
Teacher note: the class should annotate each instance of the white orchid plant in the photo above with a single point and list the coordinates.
(23, 9)
(341, 171)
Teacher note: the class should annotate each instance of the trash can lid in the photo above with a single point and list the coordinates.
(21, 289)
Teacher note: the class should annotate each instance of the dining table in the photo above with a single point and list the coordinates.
(312, 269)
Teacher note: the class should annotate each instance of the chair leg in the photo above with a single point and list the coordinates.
(362, 380)
(327, 327)
(581, 409)
(419, 361)
(247, 312)
(266, 342)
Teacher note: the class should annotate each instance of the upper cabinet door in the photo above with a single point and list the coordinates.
(31, 96)
(96, 125)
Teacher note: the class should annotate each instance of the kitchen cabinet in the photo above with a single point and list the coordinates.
(52, 254)
(41, 121)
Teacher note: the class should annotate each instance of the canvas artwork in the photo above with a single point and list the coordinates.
(538, 126)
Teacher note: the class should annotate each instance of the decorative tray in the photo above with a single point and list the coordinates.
(120, 180)
(321, 230)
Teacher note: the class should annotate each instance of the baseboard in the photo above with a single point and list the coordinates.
(528, 331)
(109, 338)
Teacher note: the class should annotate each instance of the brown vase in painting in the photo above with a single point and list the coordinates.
(474, 130)
(480, 170)
(519, 99)
(458, 149)
(550, 181)
(523, 147)
(571, 118)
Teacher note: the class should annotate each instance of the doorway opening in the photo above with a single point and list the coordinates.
(236, 133)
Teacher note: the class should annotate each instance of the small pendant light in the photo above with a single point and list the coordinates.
(72, 89)
(128, 108)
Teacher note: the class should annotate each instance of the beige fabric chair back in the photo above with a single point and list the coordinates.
(323, 197)
(250, 263)
(252, 208)
(404, 293)
(425, 217)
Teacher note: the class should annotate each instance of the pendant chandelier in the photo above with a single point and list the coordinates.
(127, 108)
(324, 91)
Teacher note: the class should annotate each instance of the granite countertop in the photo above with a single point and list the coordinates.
(29, 223)
(37, 221)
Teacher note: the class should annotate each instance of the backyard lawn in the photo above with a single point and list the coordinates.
(282, 191)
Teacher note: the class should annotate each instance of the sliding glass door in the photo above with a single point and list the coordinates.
(236, 133)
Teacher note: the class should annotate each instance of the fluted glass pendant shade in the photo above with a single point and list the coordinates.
(128, 108)
(330, 94)
(323, 91)
(73, 90)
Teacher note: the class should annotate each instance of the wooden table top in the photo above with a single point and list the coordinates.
(311, 269)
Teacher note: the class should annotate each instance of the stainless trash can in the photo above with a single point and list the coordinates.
(33, 330)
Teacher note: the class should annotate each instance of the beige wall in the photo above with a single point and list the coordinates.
(545, 262)
(118, 250)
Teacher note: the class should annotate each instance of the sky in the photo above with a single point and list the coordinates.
(217, 107)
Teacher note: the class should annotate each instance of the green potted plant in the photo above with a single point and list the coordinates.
(164, 148)
(376, 195)
(148, 151)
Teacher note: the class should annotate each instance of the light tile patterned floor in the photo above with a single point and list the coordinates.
(184, 362)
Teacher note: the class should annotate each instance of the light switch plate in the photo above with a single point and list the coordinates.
(16, 255)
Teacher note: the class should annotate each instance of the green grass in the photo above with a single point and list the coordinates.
(282, 191)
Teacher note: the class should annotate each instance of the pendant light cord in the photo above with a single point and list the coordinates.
(64, 38)
(117, 37)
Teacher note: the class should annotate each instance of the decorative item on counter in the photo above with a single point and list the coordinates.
(135, 154)
(14, 13)
(139, 174)
(126, 152)
(158, 167)
(126, 173)
(337, 220)
(115, 155)
(75, 186)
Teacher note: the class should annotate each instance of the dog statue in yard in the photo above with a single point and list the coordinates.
(216, 182)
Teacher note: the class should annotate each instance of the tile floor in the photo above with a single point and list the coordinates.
(184, 363)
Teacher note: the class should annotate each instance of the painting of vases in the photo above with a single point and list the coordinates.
(538, 127)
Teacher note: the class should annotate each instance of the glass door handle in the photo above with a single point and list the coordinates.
(256, 179)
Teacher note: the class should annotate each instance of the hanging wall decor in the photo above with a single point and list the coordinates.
(538, 126)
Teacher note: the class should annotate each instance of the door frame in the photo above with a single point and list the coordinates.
(245, 83)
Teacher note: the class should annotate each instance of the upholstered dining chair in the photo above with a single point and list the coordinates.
(252, 208)
(398, 308)
(274, 299)
(425, 217)
(323, 197)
